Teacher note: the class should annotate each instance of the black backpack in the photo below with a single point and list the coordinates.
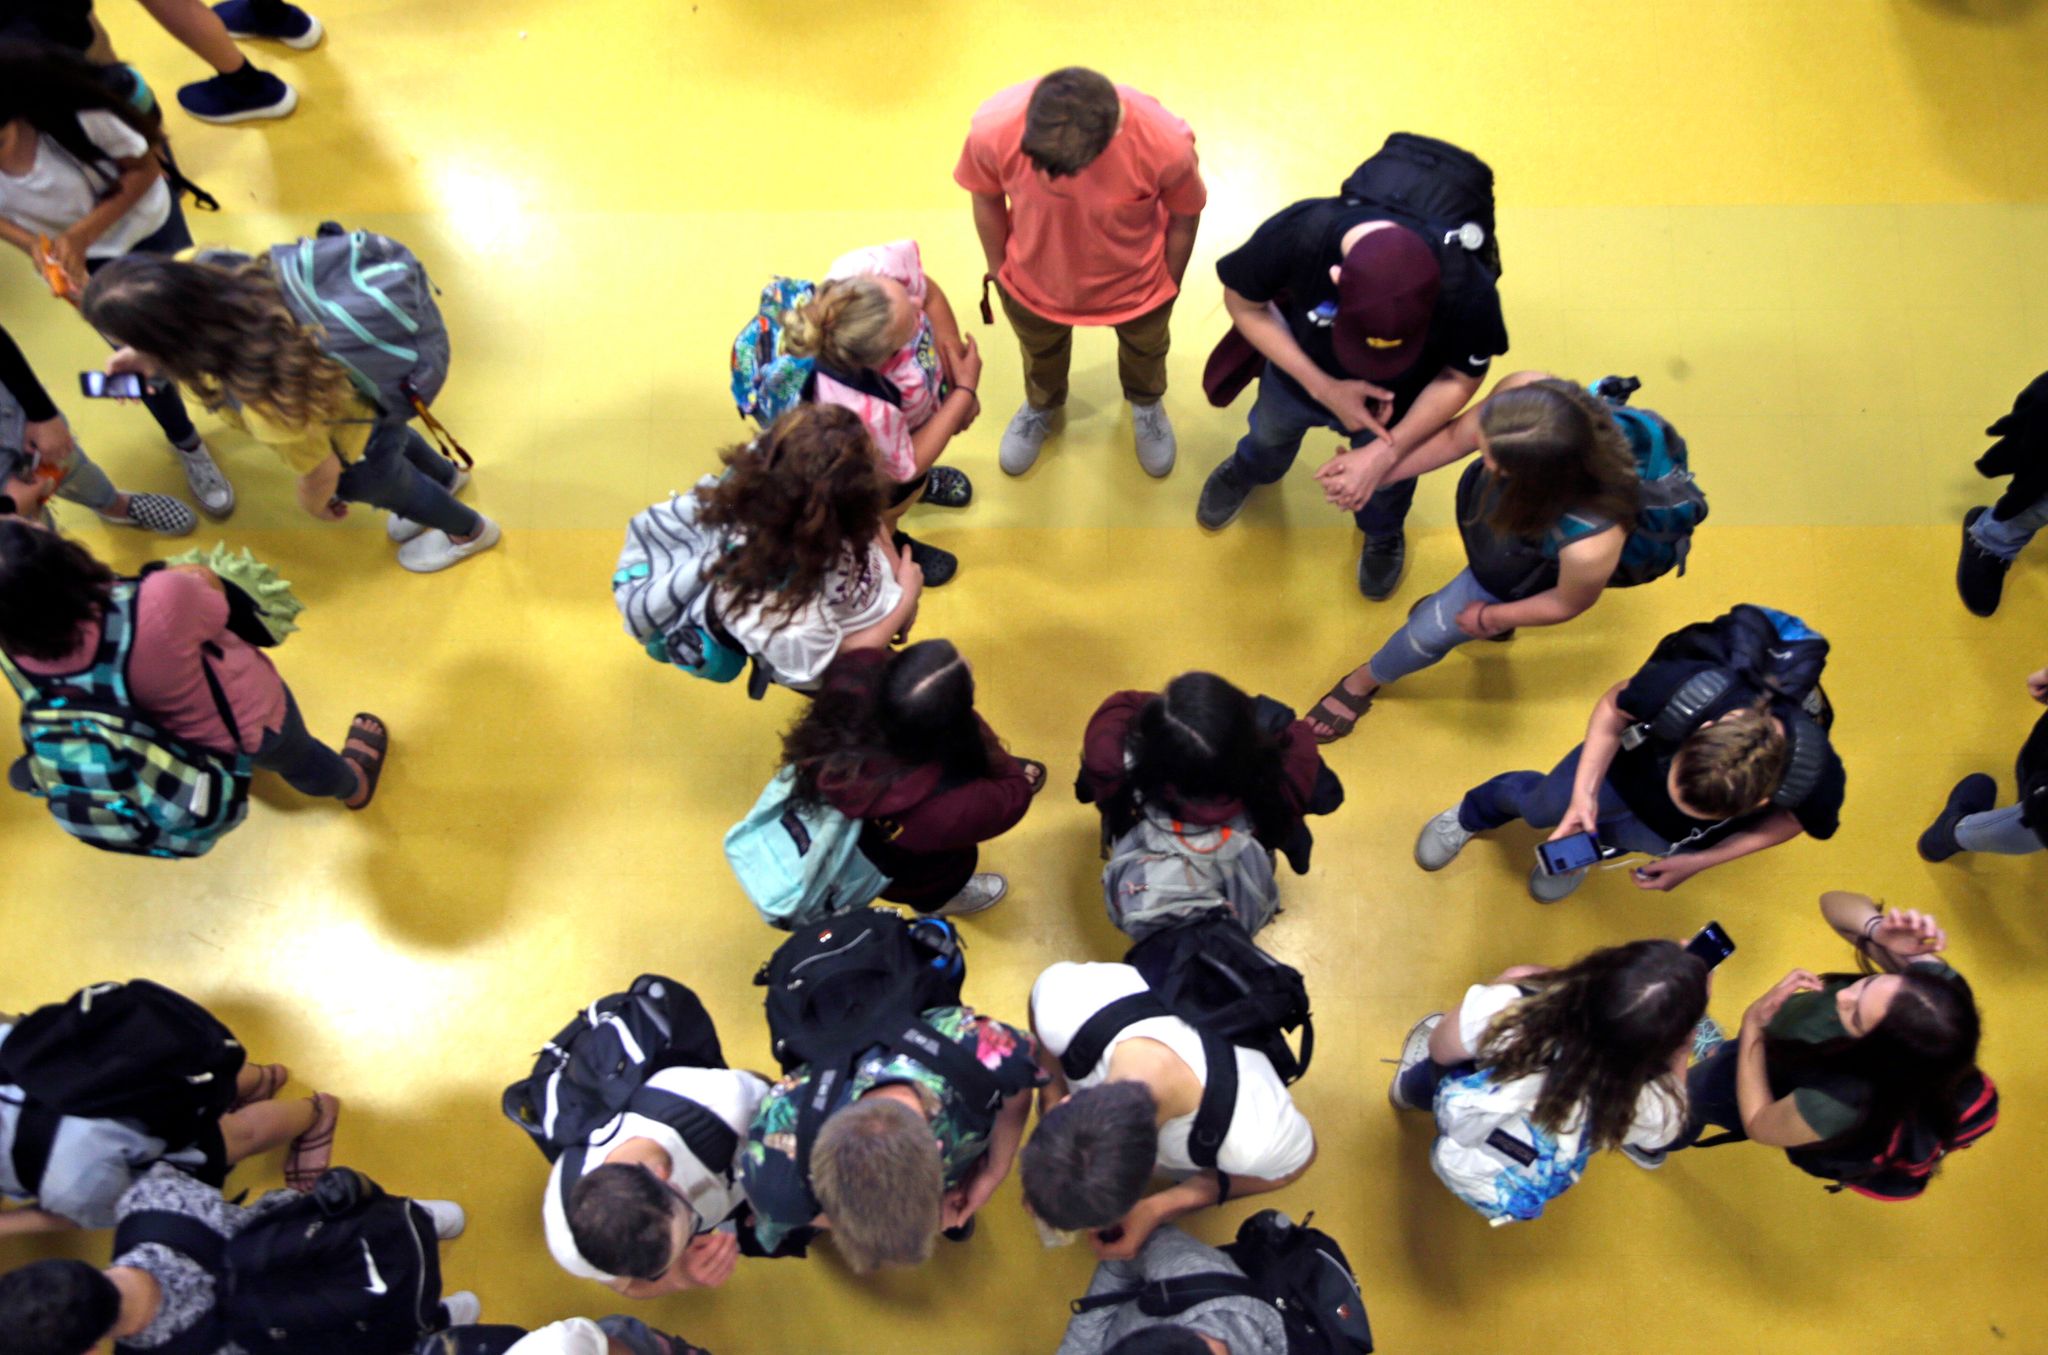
(597, 1065)
(1208, 973)
(1436, 189)
(345, 1270)
(1297, 1269)
(1775, 652)
(857, 981)
(128, 1051)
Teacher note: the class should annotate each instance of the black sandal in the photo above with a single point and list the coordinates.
(375, 736)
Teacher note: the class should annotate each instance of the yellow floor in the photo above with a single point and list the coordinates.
(1814, 227)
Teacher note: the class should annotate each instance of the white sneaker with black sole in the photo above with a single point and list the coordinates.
(402, 530)
(1414, 1050)
(433, 551)
(211, 488)
(159, 513)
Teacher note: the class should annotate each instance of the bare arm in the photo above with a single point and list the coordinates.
(1583, 569)
(1263, 329)
(1891, 939)
(137, 174)
(316, 490)
(1180, 244)
(945, 324)
(199, 29)
(1356, 473)
(1178, 1201)
(25, 1220)
(1454, 441)
(1774, 1123)
(1003, 1142)
(992, 224)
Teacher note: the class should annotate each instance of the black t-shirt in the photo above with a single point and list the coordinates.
(68, 23)
(1293, 253)
(1640, 775)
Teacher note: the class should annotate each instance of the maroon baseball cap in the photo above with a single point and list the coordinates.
(1386, 294)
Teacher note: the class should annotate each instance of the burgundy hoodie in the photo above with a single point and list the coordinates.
(1102, 766)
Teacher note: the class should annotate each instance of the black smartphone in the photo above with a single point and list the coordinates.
(118, 386)
(1573, 852)
(1711, 944)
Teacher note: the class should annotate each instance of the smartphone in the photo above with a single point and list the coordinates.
(1573, 852)
(120, 386)
(1711, 944)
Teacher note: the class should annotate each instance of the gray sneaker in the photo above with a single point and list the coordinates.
(1643, 1157)
(216, 496)
(1414, 1050)
(1547, 888)
(1022, 439)
(1156, 445)
(1223, 496)
(983, 891)
(1440, 840)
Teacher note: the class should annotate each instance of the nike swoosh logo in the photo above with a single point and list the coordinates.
(1479, 359)
(376, 1285)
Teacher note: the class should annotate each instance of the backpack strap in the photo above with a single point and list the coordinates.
(1167, 1298)
(1218, 1106)
(1085, 1050)
(197, 1243)
(710, 1140)
(1805, 761)
(1681, 714)
(35, 1133)
(866, 381)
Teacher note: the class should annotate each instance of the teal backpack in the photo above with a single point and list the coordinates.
(800, 863)
(110, 776)
(767, 382)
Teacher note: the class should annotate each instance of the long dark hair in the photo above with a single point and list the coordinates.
(914, 711)
(1200, 739)
(1559, 451)
(1913, 1060)
(50, 588)
(49, 87)
(791, 503)
(1598, 1032)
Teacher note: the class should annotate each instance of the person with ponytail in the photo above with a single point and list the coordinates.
(808, 567)
(1833, 1061)
(1204, 753)
(888, 347)
(1536, 1071)
(79, 168)
(1689, 803)
(222, 330)
(1544, 525)
(893, 740)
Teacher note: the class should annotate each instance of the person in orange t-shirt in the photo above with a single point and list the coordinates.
(1087, 196)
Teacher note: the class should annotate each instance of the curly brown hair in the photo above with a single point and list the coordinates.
(223, 332)
(1559, 451)
(792, 503)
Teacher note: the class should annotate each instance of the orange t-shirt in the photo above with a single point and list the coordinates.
(1089, 249)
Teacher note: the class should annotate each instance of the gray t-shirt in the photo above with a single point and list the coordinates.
(1245, 1325)
(188, 1289)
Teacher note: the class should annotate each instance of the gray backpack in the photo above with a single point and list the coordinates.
(1163, 872)
(371, 298)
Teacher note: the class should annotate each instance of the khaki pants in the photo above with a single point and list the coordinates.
(1048, 346)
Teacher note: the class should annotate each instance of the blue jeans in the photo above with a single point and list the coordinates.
(1280, 419)
(1999, 831)
(401, 473)
(1541, 801)
(2007, 539)
(1430, 632)
(165, 405)
(1710, 1097)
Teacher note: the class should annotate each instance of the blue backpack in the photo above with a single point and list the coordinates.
(800, 863)
(112, 778)
(768, 382)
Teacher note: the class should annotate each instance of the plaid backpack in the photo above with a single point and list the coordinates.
(112, 778)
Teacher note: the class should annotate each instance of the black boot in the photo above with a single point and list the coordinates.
(1972, 795)
(1980, 575)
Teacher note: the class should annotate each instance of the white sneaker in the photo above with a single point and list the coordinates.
(1022, 439)
(1547, 888)
(982, 892)
(449, 1220)
(1154, 433)
(464, 1308)
(1414, 1050)
(433, 551)
(1440, 840)
(159, 513)
(216, 496)
(402, 530)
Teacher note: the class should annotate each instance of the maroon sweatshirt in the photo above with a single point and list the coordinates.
(1102, 766)
(906, 808)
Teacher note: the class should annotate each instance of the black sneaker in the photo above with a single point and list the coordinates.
(1972, 795)
(939, 566)
(960, 1234)
(947, 488)
(1223, 496)
(1980, 575)
(1381, 565)
(283, 23)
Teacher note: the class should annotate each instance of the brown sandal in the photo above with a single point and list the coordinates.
(371, 732)
(313, 1151)
(1336, 711)
(275, 1075)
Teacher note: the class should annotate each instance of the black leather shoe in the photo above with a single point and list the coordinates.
(1980, 575)
(1381, 565)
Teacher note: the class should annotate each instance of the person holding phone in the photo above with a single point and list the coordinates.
(1828, 1061)
(80, 187)
(1972, 820)
(1690, 805)
(39, 458)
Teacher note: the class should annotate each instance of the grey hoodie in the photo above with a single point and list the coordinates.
(1245, 1325)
